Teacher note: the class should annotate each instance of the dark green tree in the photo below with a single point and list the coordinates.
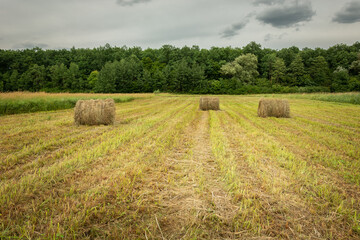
(319, 71)
(129, 75)
(297, 71)
(278, 71)
(58, 76)
(288, 54)
(12, 83)
(267, 65)
(107, 78)
(1, 83)
(74, 79)
(355, 66)
(33, 79)
(340, 80)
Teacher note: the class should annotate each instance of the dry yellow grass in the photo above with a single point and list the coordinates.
(174, 172)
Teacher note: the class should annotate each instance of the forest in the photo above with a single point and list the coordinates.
(218, 70)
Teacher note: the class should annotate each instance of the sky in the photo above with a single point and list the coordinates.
(276, 24)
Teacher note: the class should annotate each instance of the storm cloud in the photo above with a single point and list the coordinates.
(131, 2)
(349, 14)
(267, 2)
(287, 16)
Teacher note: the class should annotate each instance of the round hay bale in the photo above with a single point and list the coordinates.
(209, 103)
(94, 112)
(279, 108)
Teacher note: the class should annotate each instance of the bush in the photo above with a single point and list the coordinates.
(354, 84)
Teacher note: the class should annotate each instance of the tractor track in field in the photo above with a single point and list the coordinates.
(197, 196)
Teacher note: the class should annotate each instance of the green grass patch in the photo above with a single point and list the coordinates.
(16, 106)
(352, 98)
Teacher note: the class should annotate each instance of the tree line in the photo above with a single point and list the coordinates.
(225, 70)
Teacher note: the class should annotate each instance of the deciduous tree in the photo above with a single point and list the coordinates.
(243, 68)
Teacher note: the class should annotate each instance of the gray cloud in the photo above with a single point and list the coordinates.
(267, 2)
(234, 29)
(30, 45)
(349, 14)
(63, 24)
(131, 2)
(269, 37)
(287, 16)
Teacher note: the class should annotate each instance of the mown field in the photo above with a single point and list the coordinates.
(166, 170)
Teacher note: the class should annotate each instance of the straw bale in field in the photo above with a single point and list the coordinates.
(95, 112)
(209, 103)
(279, 108)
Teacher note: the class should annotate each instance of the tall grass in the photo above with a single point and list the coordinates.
(16, 106)
(352, 98)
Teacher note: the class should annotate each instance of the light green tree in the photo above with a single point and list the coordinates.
(92, 79)
(243, 68)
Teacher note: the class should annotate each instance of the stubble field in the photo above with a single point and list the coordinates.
(166, 170)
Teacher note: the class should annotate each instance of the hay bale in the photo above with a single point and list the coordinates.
(94, 112)
(279, 108)
(209, 103)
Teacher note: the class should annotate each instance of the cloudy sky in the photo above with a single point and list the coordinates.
(276, 24)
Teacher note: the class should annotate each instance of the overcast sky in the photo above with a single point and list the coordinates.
(51, 24)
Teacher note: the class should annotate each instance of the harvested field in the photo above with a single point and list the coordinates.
(166, 170)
